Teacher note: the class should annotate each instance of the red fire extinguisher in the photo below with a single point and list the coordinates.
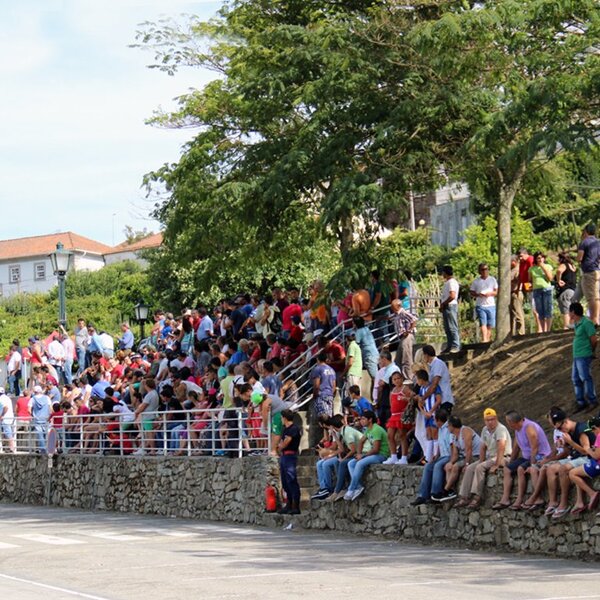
(270, 499)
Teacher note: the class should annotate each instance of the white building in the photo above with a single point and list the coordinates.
(127, 251)
(25, 263)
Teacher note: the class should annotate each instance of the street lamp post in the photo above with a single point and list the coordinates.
(61, 263)
(141, 314)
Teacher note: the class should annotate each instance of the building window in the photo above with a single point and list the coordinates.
(14, 274)
(39, 271)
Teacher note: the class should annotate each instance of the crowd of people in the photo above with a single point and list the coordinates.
(219, 382)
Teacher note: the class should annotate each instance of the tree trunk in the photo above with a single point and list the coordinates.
(507, 192)
(346, 238)
(505, 202)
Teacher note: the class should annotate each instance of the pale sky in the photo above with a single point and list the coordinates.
(73, 143)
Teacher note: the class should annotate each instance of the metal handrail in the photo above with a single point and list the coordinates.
(181, 433)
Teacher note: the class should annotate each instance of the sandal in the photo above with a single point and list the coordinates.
(500, 505)
(536, 506)
(577, 510)
(474, 504)
(559, 513)
(517, 507)
(462, 503)
(550, 510)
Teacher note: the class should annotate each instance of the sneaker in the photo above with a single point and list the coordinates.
(418, 501)
(348, 495)
(294, 511)
(454, 350)
(139, 452)
(357, 493)
(321, 495)
(392, 460)
(284, 510)
(333, 497)
(340, 495)
(403, 461)
(448, 495)
(437, 497)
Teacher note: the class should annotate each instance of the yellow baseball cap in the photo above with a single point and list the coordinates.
(489, 412)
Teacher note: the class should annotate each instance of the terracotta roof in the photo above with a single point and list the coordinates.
(42, 245)
(154, 240)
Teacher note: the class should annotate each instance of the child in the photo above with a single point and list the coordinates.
(590, 470)
(288, 448)
(358, 403)
(399, 397)
(427, 407)
(56, 420)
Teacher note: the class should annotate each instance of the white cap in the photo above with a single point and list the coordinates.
(37, 389)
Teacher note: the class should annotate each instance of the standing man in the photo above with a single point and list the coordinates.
(69, 348)
(517, 315)
(81, 343)
(288, 460)
(7, 420)
(449, 309)
(438, 376)
(56, 357)
(354, 364)
(485, 289)
(584, 345)
(13, 369)
(324, 386)
(588, 256)
(125, 342)
(404, 326)
(41, 408)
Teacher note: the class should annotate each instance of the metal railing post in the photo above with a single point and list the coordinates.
(240, 430)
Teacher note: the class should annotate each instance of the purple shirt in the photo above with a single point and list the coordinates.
(523, 440)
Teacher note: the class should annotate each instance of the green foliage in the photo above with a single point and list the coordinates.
(104, 298)
(481, 245)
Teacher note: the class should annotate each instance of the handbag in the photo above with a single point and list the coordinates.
(410, 413)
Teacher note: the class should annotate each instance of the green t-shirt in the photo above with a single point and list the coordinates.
(378, 433)
(538, 278)
(226, 389)
(582, 345)
(357, 365)
(350, 436)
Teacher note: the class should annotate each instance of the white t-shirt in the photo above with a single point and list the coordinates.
(378, 379)
(389, 371)
(6, 402)
(438, 368)
(480, 286)
(14, 362)
(127, 416)
(450, 286)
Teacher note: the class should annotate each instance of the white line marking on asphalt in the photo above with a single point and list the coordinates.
(52, 587)
(5, 546)
(112, 536)
(567, 597)
(53, 540)
(158, 531)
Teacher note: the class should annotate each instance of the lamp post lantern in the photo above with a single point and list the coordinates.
(62, 261)
(141, 315)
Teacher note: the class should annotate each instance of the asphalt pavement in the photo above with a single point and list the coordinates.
(56, 554)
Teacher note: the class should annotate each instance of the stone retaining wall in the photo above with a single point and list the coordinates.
(233, 490)
(211, 488)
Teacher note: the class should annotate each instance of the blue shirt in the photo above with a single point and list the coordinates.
(366, 341)
(237, 358)
(126, 342)
(40, 407)
(591, 254)
(95, 344)
(54, 394)
(327, 377)
(272, 384)
(205, 328)
(361, 405)
(98, 389)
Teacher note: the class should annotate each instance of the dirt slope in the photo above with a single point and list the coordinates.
(529, 375)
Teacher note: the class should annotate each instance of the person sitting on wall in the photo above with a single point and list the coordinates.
(434, 475)
(380, 450)
(496, 447)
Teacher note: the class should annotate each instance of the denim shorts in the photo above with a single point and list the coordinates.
(486, 315)
(543, 302)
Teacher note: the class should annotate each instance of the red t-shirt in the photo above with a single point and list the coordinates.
(336, 356)
(23, 411)
(57, 419)
(293, 310)
(524, 266)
